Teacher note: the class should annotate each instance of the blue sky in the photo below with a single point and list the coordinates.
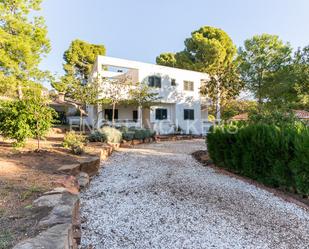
(142, 29)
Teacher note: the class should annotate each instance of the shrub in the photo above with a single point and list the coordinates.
(27, 118)
(128, 135)
(136, 133)
(96, 136)
(112, 135)
(274, 155)
(74, 142)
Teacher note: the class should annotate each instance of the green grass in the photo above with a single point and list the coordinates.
(29, 192)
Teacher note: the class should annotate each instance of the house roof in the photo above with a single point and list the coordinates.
(301, 114)
(243, 116)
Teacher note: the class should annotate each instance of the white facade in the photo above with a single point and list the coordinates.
(178, 92)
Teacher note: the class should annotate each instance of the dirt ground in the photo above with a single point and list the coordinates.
(24, 175)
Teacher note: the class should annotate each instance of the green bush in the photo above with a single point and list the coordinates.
(74, 142)
(112, 135)
(96, 136)
(27, 118)
(136, 133)
(274, 155)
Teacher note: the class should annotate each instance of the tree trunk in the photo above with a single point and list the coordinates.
(140, 109)
(113, 115)
(218, 106)
(38, 136)
(19, 92)
(80, 121)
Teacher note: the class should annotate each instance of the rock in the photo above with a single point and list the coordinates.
(56, 237)
(48, 200)
(83, 179)
(58, 190)
(63, 212)
(90, 165)
(71, 169)
(136, 142)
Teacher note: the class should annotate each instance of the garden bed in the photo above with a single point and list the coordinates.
(24, 176)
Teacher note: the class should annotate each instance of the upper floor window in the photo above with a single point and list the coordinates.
(161, 114)
(188, 85)
(173, 82)
(154, 81)
(188, 114)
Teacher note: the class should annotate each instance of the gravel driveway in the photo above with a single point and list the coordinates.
(158, 196)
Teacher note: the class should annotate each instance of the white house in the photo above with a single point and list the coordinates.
(180, 105)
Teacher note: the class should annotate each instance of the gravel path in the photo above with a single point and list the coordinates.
(158, 196)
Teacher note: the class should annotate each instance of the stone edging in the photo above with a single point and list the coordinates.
(61, 227)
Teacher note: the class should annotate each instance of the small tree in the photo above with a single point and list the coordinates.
(26, 118)
(83, 95)
(141, 95)
(114, 91)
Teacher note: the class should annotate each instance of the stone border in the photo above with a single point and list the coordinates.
(61, 227)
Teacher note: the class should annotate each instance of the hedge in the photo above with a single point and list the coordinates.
(276, 156)
(136, 133)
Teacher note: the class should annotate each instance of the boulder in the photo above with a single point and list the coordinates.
(48, 200)
(90, 165)
(56, 237)
(71, 169)
(63, 212)
(83, 180)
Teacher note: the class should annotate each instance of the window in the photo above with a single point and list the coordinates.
(108, 114)
(173, 82)
(161, 114)
(154, 81)
(135, 115)
(188, 85)
(188, 114)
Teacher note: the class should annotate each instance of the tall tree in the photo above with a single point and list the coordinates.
(79, 60)
(23, 41)
(167, 59)
(209, 50)
(301, 73)
(261, 57)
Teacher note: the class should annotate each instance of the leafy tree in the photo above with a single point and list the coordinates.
(261, 57)
(142, 96)
(23, 41)
(166, 59)
(301, 74)
(209, 50)
(114, 91)
(234, 107)
(79, 60)
(26, 118)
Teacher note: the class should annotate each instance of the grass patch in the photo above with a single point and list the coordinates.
(30, 192)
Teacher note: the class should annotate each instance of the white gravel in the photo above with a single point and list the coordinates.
(158, 196)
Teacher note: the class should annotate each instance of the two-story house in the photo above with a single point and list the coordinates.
(180, 106)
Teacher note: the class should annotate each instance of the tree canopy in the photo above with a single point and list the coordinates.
(23, 42)
(260, 59)
(209, 50)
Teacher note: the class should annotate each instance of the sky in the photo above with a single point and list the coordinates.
(142, 29)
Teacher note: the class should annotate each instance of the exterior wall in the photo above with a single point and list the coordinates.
(174, 98)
